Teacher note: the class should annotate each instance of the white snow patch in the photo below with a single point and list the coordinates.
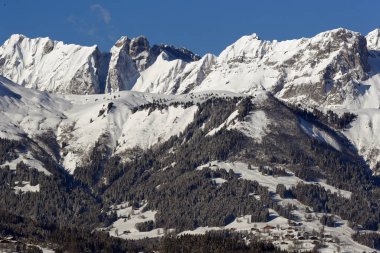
(125, 226)
(26, 187)
(364, 133)
(317, 133)
(219, 180)
(254, 125)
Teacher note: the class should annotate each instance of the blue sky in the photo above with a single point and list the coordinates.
(200, 25)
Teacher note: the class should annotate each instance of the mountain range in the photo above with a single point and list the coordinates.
(148, 138)
(337, 70)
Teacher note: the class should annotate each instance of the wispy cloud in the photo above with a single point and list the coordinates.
(101, 30)
(81, 25)
(102, 12)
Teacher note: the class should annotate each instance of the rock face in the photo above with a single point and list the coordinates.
(340, 58)
(122, 73)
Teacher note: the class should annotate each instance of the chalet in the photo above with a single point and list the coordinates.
(267, 228)
(289, 237)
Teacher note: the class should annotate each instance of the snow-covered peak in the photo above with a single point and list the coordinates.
(246, 45)
(15, 38)
(139, 45)
(49, 65)
(337, 32)
(122, 41)
(162, 57)
(373, 40)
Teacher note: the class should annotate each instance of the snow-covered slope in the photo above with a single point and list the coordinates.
(154, 127)
(364, 134)
(161, 76)
(174, 76)
(120, 128)
(27, 112)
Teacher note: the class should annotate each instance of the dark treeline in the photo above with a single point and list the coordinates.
(93, 171)
(8, 150)
(328, 220)
(329, 118)
(356, 209)
(371, 240)
(273, 171)
(160, 105)
(339, 169)
(244, 108)
(56, 202)
(214, 242)
(61, 200)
